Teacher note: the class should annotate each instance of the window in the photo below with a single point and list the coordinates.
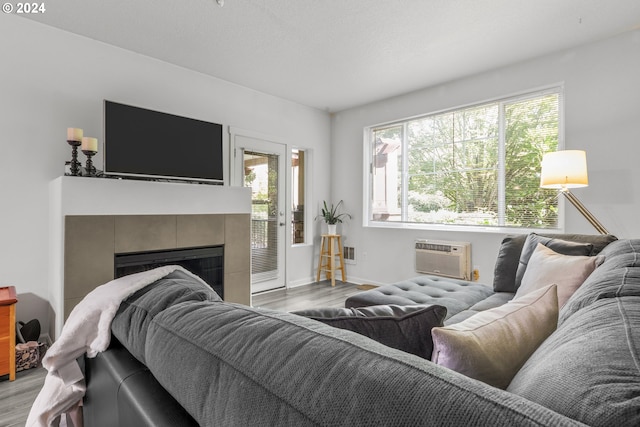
(474, 166)
(297, 195)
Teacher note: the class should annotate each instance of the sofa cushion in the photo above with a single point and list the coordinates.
(547, 266)
(618, 275)
(511, 248)
(136, 312)
(455, 295)
(407, 328)
(229, 364)
(494, 344)
(588, 369)
(564, 247)
(493, 301)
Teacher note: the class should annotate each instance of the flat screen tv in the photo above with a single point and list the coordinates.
(155, 145)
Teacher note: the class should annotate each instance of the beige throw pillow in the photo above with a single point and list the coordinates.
(492, 346)
(547, 266)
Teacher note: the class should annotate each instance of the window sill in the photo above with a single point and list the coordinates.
(460, 228)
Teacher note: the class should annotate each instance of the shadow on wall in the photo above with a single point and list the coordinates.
(31, 306)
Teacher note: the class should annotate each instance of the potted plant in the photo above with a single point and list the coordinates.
(331, 215)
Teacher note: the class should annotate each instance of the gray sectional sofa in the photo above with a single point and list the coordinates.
(462, 298)
(183, 357)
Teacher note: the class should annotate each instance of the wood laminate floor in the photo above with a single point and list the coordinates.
(16, 397)
(314, 295)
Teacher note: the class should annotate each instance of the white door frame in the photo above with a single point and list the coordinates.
(240, 141)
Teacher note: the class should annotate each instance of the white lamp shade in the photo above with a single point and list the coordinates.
(564, 169)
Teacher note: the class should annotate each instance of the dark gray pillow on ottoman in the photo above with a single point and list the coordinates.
(406, 328)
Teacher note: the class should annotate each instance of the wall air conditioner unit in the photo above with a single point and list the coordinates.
(443, 258)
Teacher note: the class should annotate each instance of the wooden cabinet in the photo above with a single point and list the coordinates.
(8, 332)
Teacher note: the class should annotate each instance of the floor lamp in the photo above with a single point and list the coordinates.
(562, 170)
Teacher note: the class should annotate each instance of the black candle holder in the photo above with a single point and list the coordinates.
(90, 170)
(75, 164)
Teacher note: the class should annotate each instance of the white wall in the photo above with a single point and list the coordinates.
(52, 80)
(602, 107)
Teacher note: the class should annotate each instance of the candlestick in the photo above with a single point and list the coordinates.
(89, 147)
(90, 170)
(75, 164)
(74, 136)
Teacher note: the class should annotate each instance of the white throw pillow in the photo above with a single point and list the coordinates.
(547, 266)
(493, 345)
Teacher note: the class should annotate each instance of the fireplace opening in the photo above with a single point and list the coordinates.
(207, 263)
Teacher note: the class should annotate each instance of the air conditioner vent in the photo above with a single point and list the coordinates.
(349, 254)
(443, 258)
(433, 247)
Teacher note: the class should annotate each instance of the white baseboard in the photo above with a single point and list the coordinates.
(350, 279)
(301, 282)
(363, 281)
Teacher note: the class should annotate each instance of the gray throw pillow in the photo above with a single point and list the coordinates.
(406, 328)
(563, 247)
(504, 275)
(547, 266)
(492, 345)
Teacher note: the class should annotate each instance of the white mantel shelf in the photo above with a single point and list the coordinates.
(107, 196)
(70, 195)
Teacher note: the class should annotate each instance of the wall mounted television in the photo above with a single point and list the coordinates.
(142, 143)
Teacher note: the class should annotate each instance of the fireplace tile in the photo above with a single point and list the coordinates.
(88, 253)
(69, 304)
(200, 230)
(235, 287)
(91, 241)
(237, 250)
(137, 233)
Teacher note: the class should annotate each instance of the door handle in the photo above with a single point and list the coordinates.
(281, 224)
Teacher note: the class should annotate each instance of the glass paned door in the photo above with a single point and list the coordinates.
(261, 175)
(263, 166)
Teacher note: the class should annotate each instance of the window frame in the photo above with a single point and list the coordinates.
(306, 213)
(367, 212)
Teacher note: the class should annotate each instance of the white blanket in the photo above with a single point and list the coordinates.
(87, 330)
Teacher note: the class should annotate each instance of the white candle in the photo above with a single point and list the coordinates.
(74, 134)
(89, 144)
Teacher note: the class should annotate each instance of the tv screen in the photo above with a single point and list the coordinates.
(152, 144)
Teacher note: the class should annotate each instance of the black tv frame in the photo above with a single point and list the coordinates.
(159, 116)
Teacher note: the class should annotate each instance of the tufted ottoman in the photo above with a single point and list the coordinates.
(461, 298)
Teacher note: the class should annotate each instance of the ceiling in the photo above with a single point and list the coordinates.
(336, 54)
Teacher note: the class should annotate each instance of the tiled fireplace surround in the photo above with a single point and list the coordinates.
(92, 219)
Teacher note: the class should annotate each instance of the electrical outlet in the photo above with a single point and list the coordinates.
(476, 273)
